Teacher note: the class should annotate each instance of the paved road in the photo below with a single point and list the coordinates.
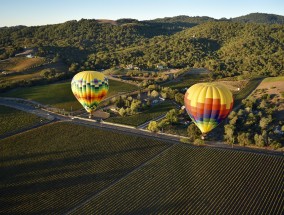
(30, 107)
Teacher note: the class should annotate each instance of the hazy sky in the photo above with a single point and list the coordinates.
(41, 12)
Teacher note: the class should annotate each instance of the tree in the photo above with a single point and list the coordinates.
(153, 126)
(128, 111)
(265, 137)
(73, 67)
(135, 105)
(127, 103)
(275, 145)
(232, 115)
(163, 123)
(152, 87)
(259, 141)
(171, 116)
(244, 139)
(263, 104)
(263, 123)
(233, 121)
(164, 95)
(120, 102)
(193, 132)
(179, 98)
(148, 103)
(122, 112)
(154, 94)
(229, 134)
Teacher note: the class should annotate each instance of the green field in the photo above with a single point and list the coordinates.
(60, 95)
(245, 92)
(273, 79)
(145, 116)
(12, 120)
(20, 63)
(57, 167)
(186, 81)
(191, 180)
(53, 168)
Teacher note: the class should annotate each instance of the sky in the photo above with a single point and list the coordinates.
(40, 12)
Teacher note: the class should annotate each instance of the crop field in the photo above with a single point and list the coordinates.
(51, 169)
(62, 167)
(12, 120)
(60, 95)
(192, 180)
(20, 63)
(145, 116)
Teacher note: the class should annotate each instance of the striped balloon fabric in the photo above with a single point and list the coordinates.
(208, 104)
(89, 87)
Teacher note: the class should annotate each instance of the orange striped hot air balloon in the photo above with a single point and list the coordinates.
(208, 104)
(89, 87)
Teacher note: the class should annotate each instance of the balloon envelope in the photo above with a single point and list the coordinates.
(89, 87)
(208, 104)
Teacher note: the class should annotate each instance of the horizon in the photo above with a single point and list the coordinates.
(30, 12)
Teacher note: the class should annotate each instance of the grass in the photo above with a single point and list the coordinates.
(12, 120)
(51, 169)
(187, 81)
(20, 63)
(145, 116)
(193, 180)
(60, 95)
(34, 73)
(273, 79)
(247, 90)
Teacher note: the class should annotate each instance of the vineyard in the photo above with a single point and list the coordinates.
(187, 180)
(55, 167)
(66, 168)
(12, 120)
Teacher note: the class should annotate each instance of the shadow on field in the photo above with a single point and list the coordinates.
(56, 174)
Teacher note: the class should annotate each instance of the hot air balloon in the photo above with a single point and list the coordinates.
(208, 104)
(89, 87)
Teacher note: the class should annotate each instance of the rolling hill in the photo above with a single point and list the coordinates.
(226, 46)
(263, 18)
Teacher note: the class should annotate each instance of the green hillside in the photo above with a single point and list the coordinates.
(224, 46)
(260, 18)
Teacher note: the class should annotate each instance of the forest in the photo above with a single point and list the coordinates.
(251, 44)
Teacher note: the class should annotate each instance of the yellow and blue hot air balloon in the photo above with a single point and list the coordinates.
(89, 87)
(208, 104)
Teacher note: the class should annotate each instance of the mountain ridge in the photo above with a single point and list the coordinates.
(257, 17)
